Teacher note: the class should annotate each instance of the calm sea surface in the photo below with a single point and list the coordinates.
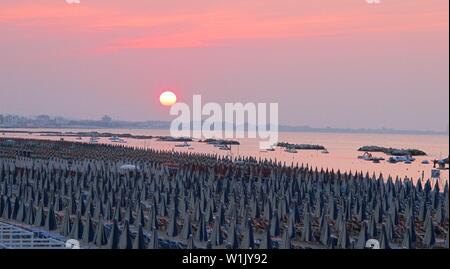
(342, 149)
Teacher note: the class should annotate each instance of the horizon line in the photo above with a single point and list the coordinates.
(280, 126)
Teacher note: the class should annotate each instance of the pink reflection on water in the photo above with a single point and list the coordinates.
(343, 154)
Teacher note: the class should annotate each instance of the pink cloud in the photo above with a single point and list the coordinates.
(227, 27)
(224, 24)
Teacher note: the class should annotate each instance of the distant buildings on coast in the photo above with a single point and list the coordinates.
(45, 121)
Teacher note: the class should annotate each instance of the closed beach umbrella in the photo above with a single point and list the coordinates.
(266, 241)
(50, 221)
(125, 240)
(363, 237)
(88, 230)
(100, 238)
(139, 240)
(114, 235)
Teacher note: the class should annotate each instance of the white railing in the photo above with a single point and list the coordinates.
(14, 237)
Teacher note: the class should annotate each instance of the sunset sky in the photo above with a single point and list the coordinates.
(338, 63)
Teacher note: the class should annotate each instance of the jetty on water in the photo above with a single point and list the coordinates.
(118, 197)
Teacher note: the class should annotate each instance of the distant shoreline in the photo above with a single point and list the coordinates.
(17, 129)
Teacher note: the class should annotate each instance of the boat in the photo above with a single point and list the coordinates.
(224, 147)
(291, 150)
(405, 159)
(93, 140)
(183, 145)
(425, 162)
(114, 139)
(267, 149)
(367, 156)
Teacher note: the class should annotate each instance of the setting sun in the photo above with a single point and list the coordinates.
(167, 98)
